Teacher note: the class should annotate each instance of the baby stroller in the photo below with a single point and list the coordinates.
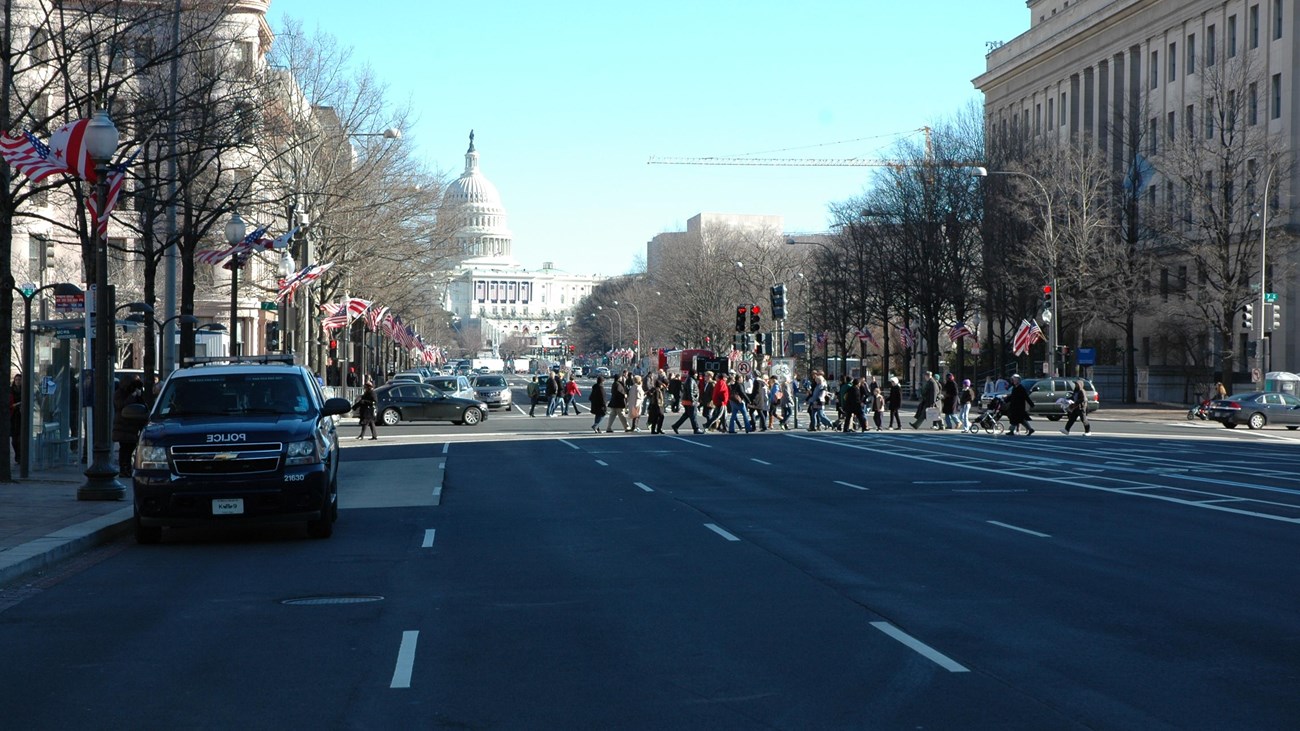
(1200, 411)
(990, 420)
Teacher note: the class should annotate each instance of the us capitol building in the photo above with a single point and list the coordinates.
(489, 289)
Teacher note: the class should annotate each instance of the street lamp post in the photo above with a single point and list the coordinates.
(234, 234)
(285, 316)
(620, 322)
(636, 347)
(1263, 288)
(1055, 324)
(101, 476)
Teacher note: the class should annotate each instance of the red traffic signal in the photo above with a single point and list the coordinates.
(334, 344)
(1047, 290)
(755, 310)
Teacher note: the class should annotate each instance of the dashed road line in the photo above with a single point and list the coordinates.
(756, 459)
(602, 463)
(713, 527)
(850, 484)
(643, 486)
(921, 648)
(428, 538)
(405, 660)
(1022, 530)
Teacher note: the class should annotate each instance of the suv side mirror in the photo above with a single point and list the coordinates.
(336, 407)
(137, 415)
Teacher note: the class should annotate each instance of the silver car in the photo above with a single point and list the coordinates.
(492, 390)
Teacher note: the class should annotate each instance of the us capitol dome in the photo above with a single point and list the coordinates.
(518, 313)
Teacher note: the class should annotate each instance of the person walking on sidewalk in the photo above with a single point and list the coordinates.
(1078, 409)
(965, 400)
(129, 391)
(635, 397)
(534, 395)
(366, 405)
(721, 395)
(597, 400)
(655, 389)
(929, 394)
(16, 401)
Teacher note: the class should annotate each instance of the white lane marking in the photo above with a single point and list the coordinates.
(428, 538)
(643, 486)
(442, 465)
(720, 532)
(923, 649)
(1022, 530)
(984, 491)
(405, 660)
(945, 482)
(696, 442)
(571, 445)
(445, 446)
(850, 484)
(756, 459)
(602, 463)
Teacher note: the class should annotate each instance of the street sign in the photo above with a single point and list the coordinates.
(744, 367)
(270, 306)
(70, 302)
(1086, 356)
(1270, 296)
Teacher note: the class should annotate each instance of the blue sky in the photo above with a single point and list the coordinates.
(569, 100)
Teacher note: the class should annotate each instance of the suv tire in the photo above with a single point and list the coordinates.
(472, 416)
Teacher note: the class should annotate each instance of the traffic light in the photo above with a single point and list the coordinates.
(572, 348)
(272, 336)
(1248, 317)
(798, 343)
(741, 312)
(778, 302)
(1047, 297)
(334, 348)
(1277, 317)
(755, 323)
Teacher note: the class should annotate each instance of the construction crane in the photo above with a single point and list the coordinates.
(796, 161)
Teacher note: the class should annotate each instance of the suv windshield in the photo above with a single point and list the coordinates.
(490, 382)
(234, 393)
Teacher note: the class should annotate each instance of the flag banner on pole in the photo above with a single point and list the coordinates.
(905, 337)
(29, 156)
(116, 180)
(959, 331)
(1026, 335)
(864, 335)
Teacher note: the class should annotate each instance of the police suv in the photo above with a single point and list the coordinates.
(237, 442)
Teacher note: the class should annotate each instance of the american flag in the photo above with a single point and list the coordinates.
(29, 156)
(865, 335)
(905, 337)
(356, 307)
(1026, 335)
(244, 248)
(335, 316)
(116, 179)
(959, 331)
(69, 146)
(375, 316)
(305, 276)
(392, 324)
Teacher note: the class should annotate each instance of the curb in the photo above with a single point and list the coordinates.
(37, 554)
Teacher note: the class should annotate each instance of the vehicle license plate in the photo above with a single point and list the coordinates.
(228, 506)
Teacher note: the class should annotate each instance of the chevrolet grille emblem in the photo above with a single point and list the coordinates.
(225, 456)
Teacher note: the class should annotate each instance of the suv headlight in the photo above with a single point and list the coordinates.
(303, 452)
(149, 457)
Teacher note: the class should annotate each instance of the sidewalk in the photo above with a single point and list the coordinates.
(42, 521)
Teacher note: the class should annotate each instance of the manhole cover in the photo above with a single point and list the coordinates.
(311, 601)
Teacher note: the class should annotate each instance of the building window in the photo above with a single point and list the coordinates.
(1190, 121)
(1191, 54)
(1173, 62)
(1211, 47)
(1154, 71)
(1209, 119)
(1230, 122)
(1170, 126)
(1038, 118)
(1277, 96)
(1063, 109)
(1232, 36)
(1164, 285)
(1154, 133)
(1051, 115)
(1252, 104)
(1277, 20)
(1252, 28)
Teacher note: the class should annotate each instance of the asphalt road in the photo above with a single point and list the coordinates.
(1143, 578)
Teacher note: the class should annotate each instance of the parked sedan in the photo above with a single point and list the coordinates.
(1256, 409)
(398, 402)
(492, 390)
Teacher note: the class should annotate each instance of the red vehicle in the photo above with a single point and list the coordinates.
(682, 360)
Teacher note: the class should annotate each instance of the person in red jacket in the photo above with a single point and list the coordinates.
(718, 400)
